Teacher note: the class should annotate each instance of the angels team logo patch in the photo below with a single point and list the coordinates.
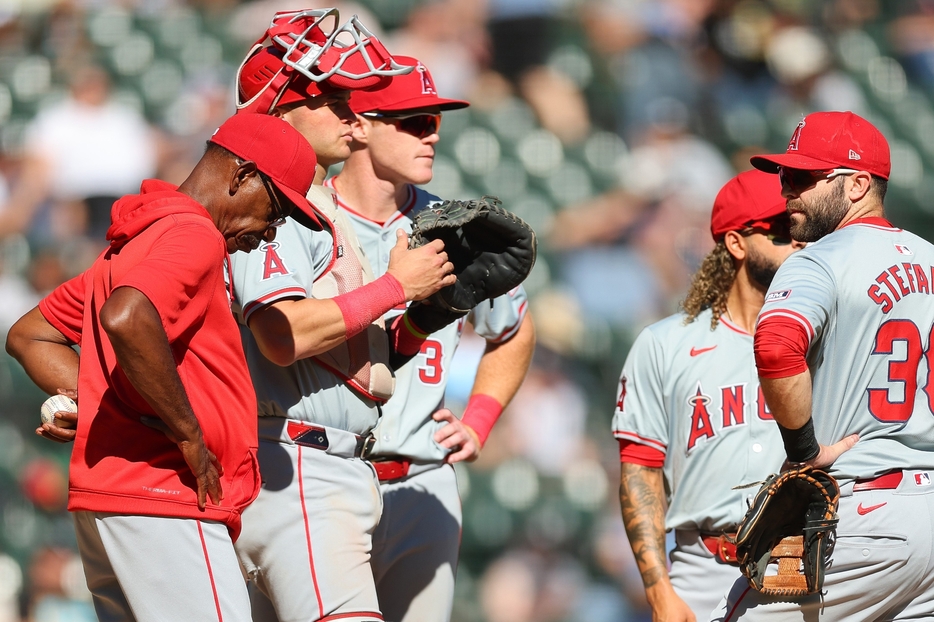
(904, 250)
(795, 137)
(779, 295)
(272, 263)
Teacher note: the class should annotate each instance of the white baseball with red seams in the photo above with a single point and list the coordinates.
(56, 403)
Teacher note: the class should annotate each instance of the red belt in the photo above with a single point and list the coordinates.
(883, 482)
(387, 470)
(722, 547)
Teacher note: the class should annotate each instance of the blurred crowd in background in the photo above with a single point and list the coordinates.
(609, 125)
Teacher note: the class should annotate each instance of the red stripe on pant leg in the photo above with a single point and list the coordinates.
(207, 560)
(353, 614)
(311, 557)
(732, 611)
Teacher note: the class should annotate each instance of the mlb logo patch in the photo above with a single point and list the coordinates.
(779, 295)
(904, 250)
(922, 479)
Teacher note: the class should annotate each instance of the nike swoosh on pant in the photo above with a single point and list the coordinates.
(861, 510)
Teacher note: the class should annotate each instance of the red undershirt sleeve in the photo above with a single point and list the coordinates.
(780, 346)
(635, 453)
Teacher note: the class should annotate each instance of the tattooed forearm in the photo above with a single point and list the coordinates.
(642, 499)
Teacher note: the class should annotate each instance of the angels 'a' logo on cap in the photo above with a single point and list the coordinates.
(428, 86)
(793, 143)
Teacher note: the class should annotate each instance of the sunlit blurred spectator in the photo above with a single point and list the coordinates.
(448, 36)
(81, 154)
(803, 64)
(11, 584)
(545, 421)
(628, 254)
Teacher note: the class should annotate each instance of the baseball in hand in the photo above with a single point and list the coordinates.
(55, 404)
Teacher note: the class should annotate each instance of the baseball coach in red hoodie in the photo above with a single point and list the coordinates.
(164, 456)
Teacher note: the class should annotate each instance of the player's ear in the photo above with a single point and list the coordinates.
(857, 185)
(244, 170)
(361, 129)
(735, 244)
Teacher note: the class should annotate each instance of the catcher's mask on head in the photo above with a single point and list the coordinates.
(301, 56)
(411, 91)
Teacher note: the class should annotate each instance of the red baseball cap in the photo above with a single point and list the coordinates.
(279, 151)
(752, 197)
(826, 140)
(405, 92)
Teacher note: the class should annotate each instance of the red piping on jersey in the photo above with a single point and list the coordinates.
(262, 301)
(631, 436)
(794, 315)
(353, 614)
(780, 347)
(207, 561)
(512, 330)
(407, 207)
(311, 557)
(631, 452)
(733, 327)
(876, 222)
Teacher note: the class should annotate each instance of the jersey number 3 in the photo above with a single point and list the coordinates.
(904, 371)
(431, 372)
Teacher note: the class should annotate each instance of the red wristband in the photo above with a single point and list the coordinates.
(364, 305)
(481, 413)
(406, 339)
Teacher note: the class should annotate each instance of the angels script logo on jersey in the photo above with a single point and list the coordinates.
(272, 262)
(779, 295)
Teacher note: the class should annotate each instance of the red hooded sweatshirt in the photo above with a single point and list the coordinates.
(164, 244)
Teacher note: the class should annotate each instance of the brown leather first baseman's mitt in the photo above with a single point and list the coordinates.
(792, 522)
(492, 250)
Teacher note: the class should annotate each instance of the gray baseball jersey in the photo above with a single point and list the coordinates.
(289, 267)
(406, 427)
(415, 546)
(694, 395)
(861, 294)
(306, 539)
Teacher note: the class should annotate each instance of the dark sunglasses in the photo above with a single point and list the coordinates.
(278, 215)
(799, 180)
(419, 125)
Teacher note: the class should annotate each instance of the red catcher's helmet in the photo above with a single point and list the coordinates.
(298, 58)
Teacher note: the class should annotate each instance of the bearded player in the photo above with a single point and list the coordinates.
(311, 320)
(843, 349)
(415, 547)
(690, 417)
